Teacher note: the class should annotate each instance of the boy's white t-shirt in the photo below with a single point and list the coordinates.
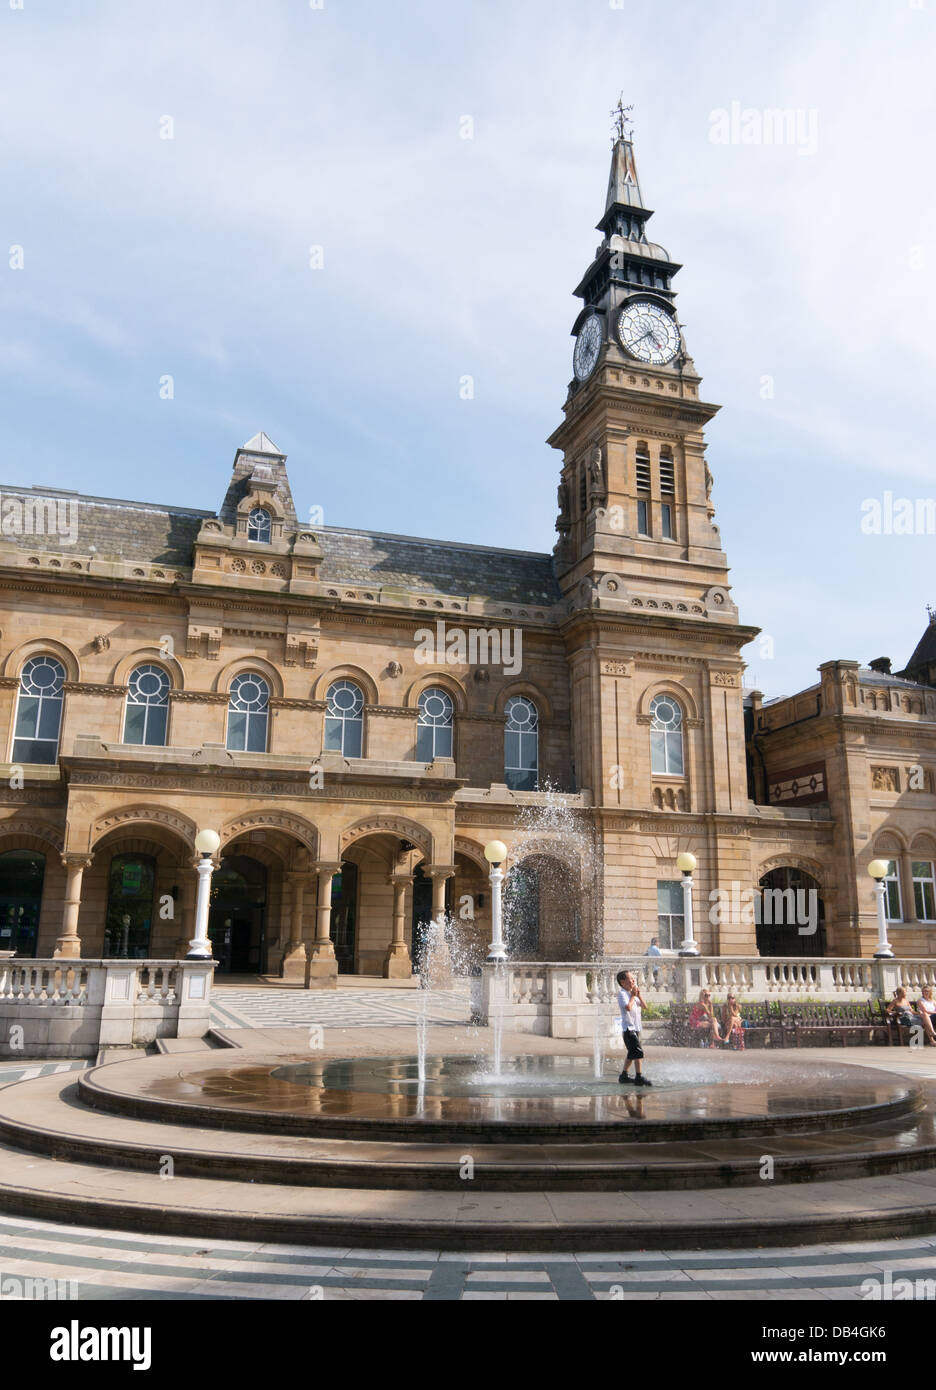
(630, 1012)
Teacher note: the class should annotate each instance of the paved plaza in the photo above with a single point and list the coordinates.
(87, 1262)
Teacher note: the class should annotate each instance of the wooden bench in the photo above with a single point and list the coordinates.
(852, 1022)
(763, 1022)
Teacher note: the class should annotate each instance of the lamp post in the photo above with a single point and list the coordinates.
(495, 852)
(206, 842)
(878, 871)
(685, 864)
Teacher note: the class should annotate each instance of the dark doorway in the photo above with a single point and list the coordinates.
(422, 912)
(343, 913)
(787, 907)
(521, 912)
(130, 885)
(237, 917)
(21, 875)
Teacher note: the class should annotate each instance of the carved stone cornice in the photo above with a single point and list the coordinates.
(199, 697)
(283, 702)
(93, 688)
(9, 682)
(393, 711)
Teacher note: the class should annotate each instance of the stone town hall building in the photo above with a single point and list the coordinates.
(164, 669)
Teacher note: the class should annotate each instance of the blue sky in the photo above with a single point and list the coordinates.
(341, 127)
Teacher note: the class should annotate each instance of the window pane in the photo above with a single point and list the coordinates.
(354, 729)
(669, 896)
(156, 725)
(657, 751)
(27, 716)
(32, 751)
(674, 754)
(929, 902)
(666, 519)
(921, 869)
(528, 752)
(443, 741)
(642, 527)
(333, 729)
(256, 733)
(133, 724)
(237, 731)
(424, 743)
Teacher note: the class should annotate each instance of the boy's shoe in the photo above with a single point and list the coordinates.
(642, 1081)
(624, 1077)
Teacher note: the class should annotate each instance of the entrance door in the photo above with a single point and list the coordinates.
(237, 916)
(21, 875)
(422, 912)
(343, 914)
(790, 914)
(130, 886)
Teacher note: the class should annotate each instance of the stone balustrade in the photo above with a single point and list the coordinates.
(72, 1008)
(565, 999)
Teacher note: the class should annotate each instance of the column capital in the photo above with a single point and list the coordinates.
(400, 880)
(326, 866)
(439, 870)
(72, 859)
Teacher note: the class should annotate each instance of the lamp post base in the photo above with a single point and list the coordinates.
(496, 955)
(198, 952)
(689, 950)
(883, 953)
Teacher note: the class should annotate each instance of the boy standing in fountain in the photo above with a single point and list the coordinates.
(630, 1002)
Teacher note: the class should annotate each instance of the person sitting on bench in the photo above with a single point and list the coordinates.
(900, 1010)
(703, 1022)
(926, 1009)
(732, 1025)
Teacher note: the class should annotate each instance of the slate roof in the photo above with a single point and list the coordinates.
(925, 653)
(115, 528)
(162, 535)
(443, 567)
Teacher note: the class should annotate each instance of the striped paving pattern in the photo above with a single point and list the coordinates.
(82, 1263)
(357, 1008)
(26, 1071)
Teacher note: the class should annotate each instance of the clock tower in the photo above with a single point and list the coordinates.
(652, 635)
(635, 491)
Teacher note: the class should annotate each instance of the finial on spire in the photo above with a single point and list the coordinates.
(622, 120)
(931, 613)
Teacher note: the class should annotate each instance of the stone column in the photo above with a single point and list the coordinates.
(440, 874)
(294, 957)
(905, 869)
(69, 943)
(186, 910)
(397, 963)
(321, 968)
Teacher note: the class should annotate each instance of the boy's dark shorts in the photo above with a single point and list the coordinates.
(632, 1043)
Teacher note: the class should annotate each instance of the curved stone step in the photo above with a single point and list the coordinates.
(34, 1185)
(45, 1116)
(224, 1095)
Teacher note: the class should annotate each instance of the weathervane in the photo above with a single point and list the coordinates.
(622, 120)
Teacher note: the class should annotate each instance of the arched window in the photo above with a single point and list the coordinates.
(344, 719)
(147, 706)
(248, 712)
(259, 525)
(39, 711)
(521, 739)
(434, 726)
(666, 749)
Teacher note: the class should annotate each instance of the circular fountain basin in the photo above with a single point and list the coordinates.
(537, 1098)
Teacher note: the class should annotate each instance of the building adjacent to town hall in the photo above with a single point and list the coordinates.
(358, 714)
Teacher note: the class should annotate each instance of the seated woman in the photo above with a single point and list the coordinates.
(925, 1010)
(703, 1022)
(900, 1010)
(732, 1026)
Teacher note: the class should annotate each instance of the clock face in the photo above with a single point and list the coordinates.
(587, 347)
(648, 332)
